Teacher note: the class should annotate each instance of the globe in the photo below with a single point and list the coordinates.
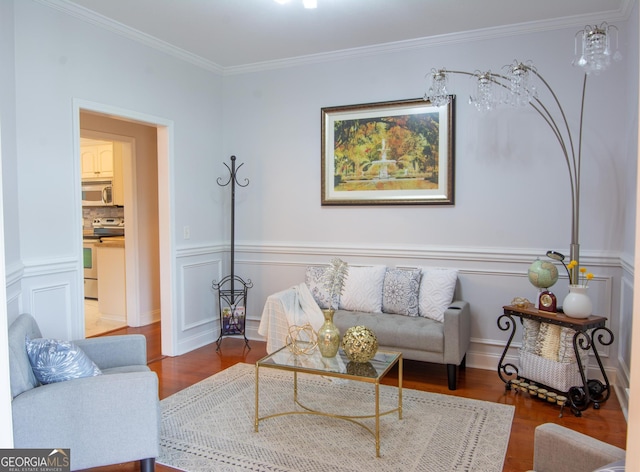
(543, 274)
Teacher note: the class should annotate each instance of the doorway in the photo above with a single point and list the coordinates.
(146, 209)
(107, 163)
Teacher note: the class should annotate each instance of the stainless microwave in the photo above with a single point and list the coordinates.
(97, 193)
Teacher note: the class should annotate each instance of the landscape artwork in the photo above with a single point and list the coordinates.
(388, 153)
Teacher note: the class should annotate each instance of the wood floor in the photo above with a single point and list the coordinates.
(607, 423)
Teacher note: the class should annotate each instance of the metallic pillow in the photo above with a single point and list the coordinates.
(56, 361)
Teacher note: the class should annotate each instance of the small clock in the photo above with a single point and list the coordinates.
(547, 301)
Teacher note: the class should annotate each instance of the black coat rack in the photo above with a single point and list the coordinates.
(232, 300)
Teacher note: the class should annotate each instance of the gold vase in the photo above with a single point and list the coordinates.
(328, 335)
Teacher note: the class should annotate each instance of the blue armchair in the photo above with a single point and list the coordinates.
(105, 419)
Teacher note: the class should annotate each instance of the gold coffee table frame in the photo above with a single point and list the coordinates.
(338, 367)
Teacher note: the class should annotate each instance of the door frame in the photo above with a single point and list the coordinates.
(165, 133)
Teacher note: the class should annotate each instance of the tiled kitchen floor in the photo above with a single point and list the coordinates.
(94, 323)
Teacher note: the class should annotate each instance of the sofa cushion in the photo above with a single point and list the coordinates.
(363, 289)
(314, 280)
(400, 291)
(56, 361)
(437, 288)
(396, 331)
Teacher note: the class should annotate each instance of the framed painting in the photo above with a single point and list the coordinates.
(388, 153)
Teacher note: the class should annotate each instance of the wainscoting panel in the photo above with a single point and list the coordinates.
(48, 294)
(198, 322)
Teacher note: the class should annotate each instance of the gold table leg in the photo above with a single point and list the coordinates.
(377, 419)
(400, 388)
(257, 397)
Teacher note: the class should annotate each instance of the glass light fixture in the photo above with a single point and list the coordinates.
(595, 44)
(438, 94)
(521, 88)
(485, 99)
(519, 81)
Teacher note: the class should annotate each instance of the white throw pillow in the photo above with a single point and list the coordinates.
(363, 289)
(437, 287)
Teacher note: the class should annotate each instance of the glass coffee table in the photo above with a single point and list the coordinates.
(338, 367)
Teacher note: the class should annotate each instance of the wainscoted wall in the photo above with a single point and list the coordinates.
(196, 304)
(488, 280)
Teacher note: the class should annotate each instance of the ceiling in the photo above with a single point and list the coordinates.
(235, 33)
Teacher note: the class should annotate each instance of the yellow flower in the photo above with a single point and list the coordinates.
(583, 269)
(572, 264)
(589, 276)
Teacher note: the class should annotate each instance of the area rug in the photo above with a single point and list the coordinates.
(210, 427)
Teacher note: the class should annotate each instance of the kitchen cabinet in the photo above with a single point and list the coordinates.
(112, 299)
(97, 161)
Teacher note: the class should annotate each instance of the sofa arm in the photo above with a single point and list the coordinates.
(457, 332)
(558, 448)
(115, 351)
(104, 419)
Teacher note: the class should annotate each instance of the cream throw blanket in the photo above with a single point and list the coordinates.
(294, 306)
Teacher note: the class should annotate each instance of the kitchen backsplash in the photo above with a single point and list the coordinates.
(89, 213)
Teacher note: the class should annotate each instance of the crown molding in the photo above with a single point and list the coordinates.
(120, 29)
(77, 11)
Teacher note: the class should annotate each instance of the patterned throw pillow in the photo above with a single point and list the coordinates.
(618, 466)
(363, 289)
(400, 291)
(56, 361)
(437, 288)
(313, 279)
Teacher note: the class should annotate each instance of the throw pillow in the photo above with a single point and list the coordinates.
(363, 289)
(313, 279)
(618, 466)
(437, 287)
(400, 291)
(56, 361)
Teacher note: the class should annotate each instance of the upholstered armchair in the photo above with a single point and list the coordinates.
(103, 419)
(560, 449)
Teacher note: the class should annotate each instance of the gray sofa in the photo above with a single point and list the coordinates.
(409, 309)
(557, 448)
(418, 338)
(104, 419)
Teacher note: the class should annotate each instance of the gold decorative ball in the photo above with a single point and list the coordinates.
(359, 344)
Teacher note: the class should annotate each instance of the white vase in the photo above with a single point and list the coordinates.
(577, 303)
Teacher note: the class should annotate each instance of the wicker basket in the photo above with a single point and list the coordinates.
(560, 376)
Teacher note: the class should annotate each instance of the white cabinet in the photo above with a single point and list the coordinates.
(112, 299)
(97, 161)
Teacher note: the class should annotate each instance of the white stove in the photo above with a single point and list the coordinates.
(102, 228)
(108, 226)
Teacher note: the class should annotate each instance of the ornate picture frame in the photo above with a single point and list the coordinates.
(388, 153)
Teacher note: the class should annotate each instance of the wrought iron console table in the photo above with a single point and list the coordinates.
(587, 332)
